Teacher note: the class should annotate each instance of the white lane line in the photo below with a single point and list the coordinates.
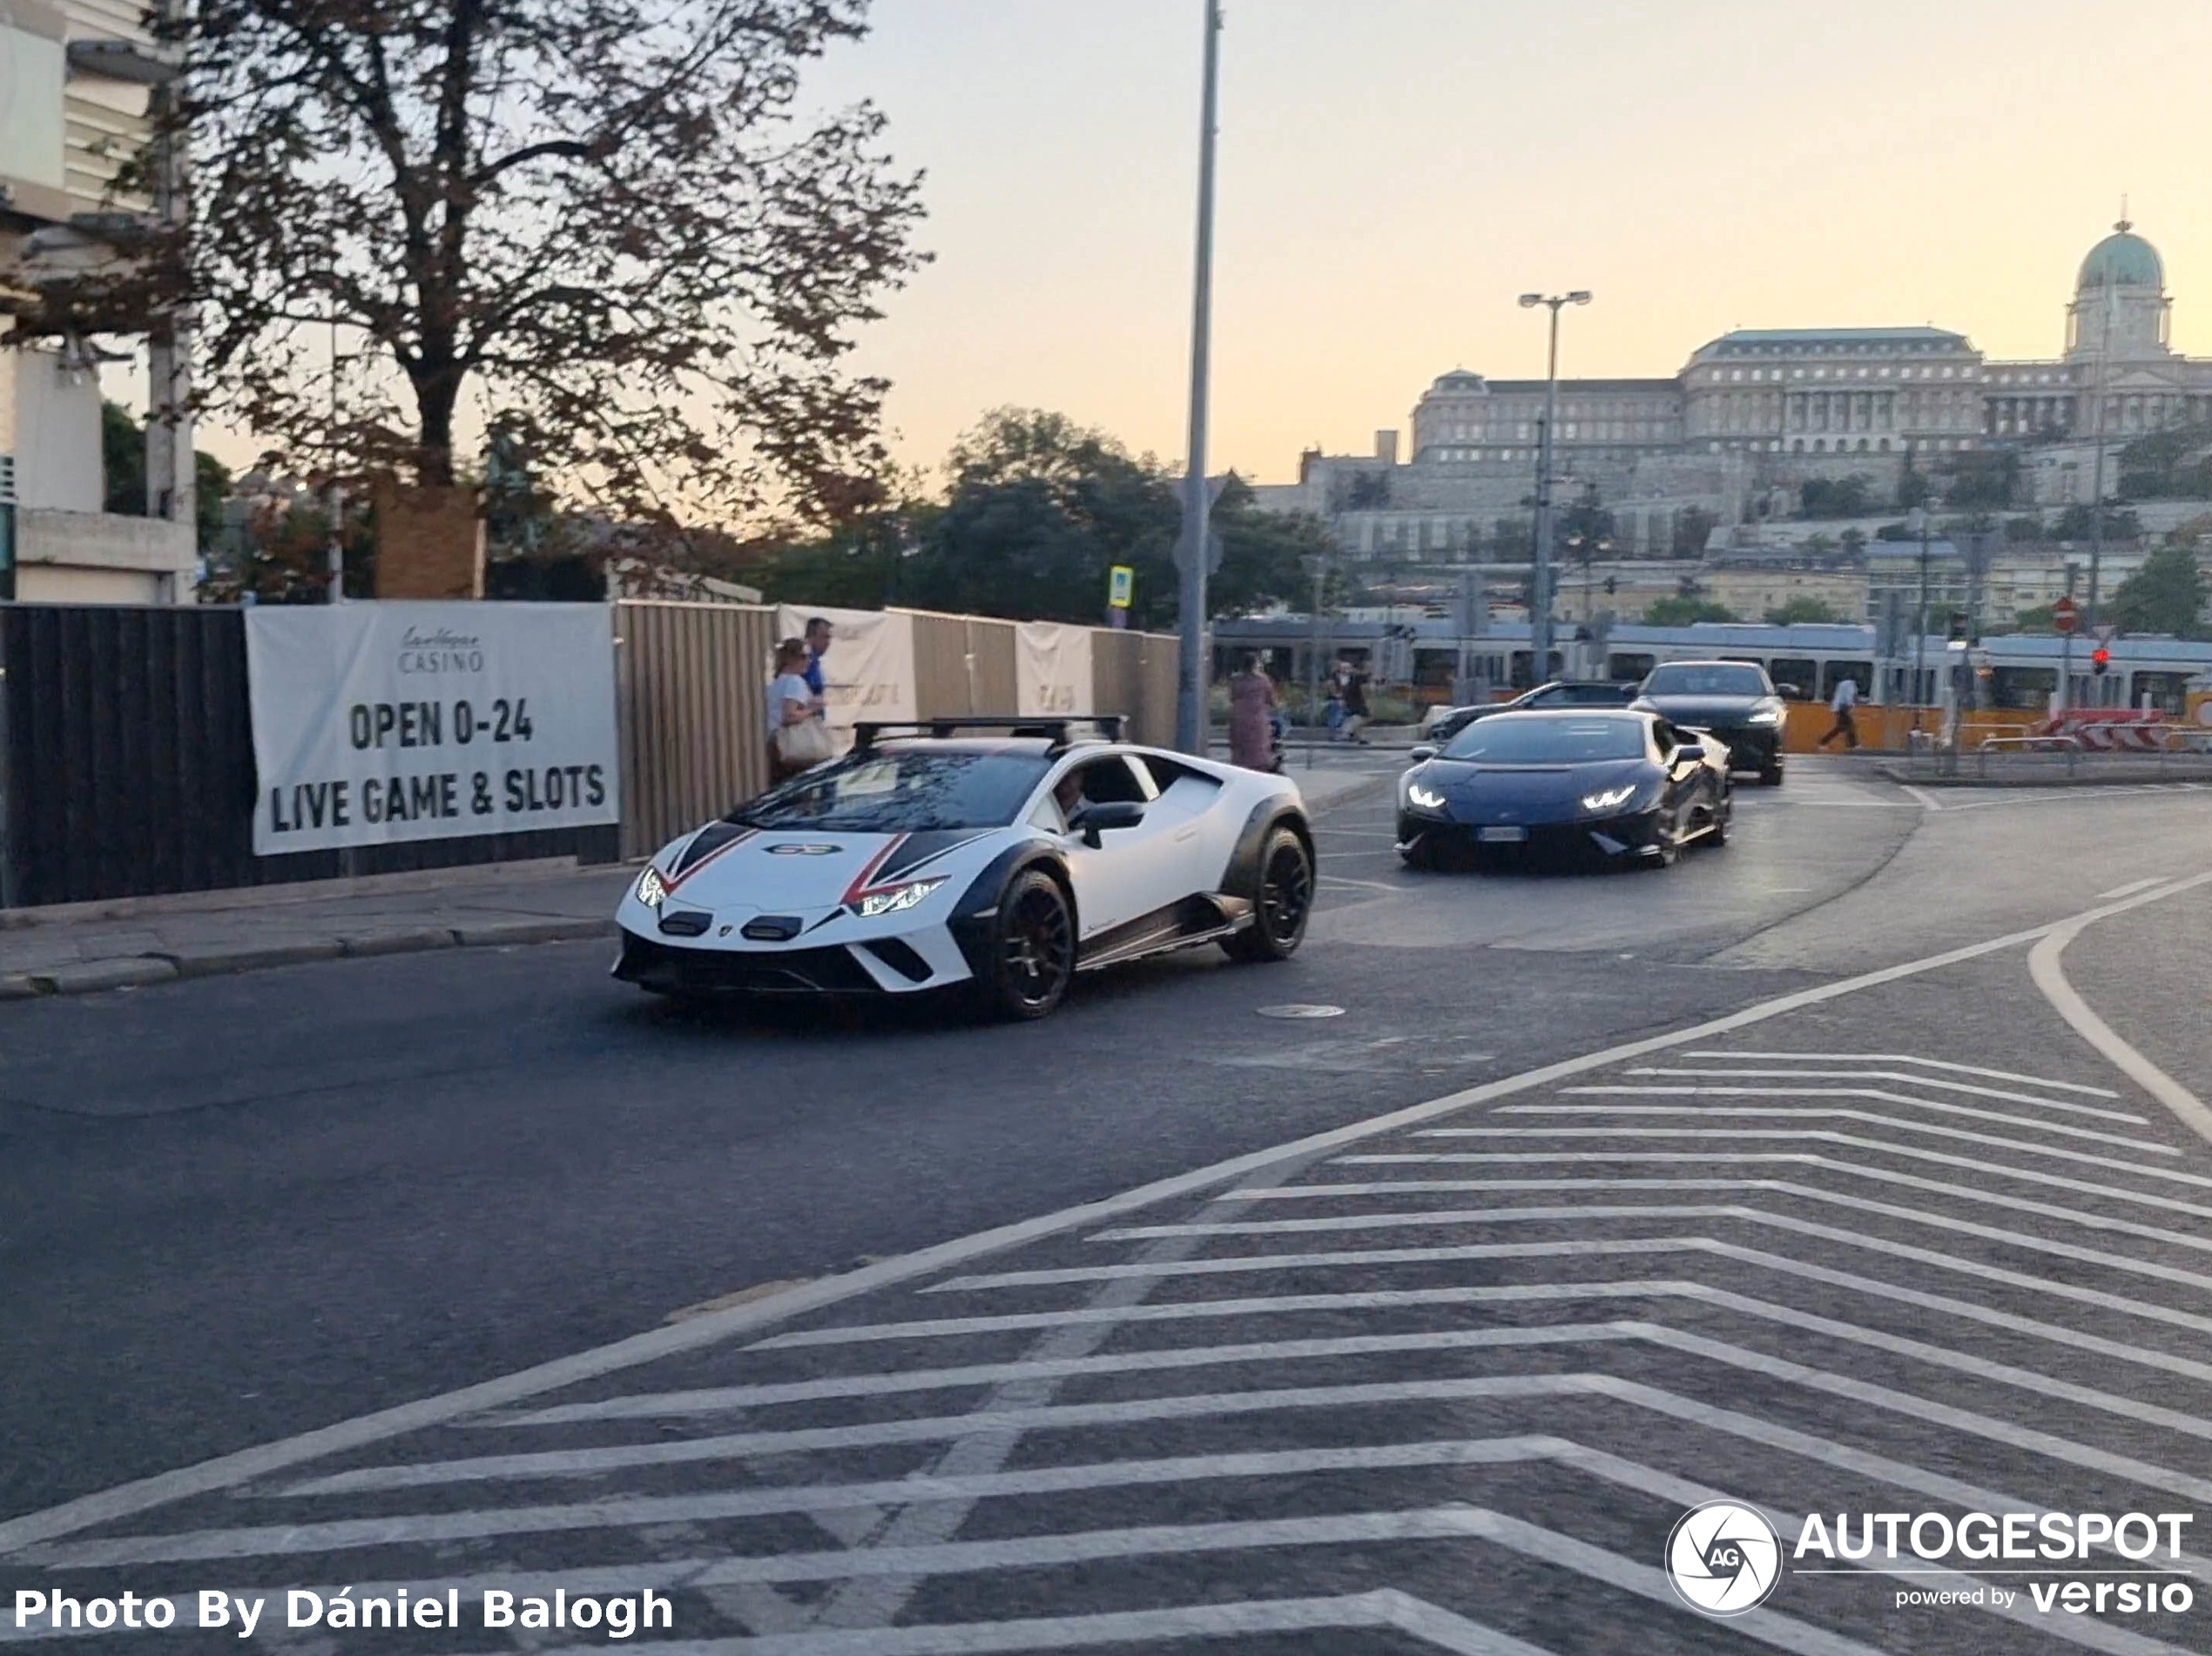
(2078, 1156)
(1926, 800)
(1367, 885)
(1907, 1058)
(1369, 1258)
(2025, 1176)
(228, 1472)
(1905, 1076)
(1782, 1187)
(1423, 1218)
(1880, 1095)
(2044, 966)
(2132, 885)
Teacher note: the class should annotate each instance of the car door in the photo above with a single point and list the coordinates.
(1130, 872)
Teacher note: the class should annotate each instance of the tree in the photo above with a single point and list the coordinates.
(1801, 609)
(1854, 544)
(2075, 524)
(1681, 611)
(1266, 557)
(2021, 529)
(2165, 595)
(2168, 465)
(1912, 486)
(1983, 479)
(123, 461)
(1694, 526)
(1820, 497)
(610, 220)
(1512, 540)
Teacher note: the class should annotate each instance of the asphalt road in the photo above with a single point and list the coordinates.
(234, 1210)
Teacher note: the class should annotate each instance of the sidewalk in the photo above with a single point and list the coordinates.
(82, 948)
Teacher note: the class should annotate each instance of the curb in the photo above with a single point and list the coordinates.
(131, 972)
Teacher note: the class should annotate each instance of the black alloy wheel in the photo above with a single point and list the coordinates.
(1285, 904)
(1033, 954)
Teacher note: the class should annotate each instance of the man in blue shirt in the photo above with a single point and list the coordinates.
(817, 644)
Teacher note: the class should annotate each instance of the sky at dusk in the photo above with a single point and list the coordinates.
(1393, 172)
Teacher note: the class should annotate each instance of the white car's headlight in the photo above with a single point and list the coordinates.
(652, 888)
(1766, 715)
(1425, 798)
(1611, 799)
(896, 897)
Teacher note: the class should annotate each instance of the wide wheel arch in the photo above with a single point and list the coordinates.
(1241, 877)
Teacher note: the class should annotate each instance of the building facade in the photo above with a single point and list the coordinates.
(81, 76)
(1757, 413)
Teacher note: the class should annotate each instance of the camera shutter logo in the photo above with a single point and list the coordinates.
(1724, 1559)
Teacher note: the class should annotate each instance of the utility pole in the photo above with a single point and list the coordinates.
(1313, 663)
(1193, 673)
(1540, 607)
(2097, 473)
(1920, 618)
(172, 479)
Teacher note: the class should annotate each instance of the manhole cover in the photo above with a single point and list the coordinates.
(1301, 1012)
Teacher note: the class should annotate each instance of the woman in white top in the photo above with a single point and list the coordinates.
(791, 704)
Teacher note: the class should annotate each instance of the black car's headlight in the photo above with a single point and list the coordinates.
(1422, 796)
(653, 890)
(1610, 801)
(1766, 715)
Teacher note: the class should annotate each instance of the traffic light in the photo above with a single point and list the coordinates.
(1612, 586)
(2099, 661)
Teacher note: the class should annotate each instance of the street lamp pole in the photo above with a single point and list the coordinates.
(1540, 607)
(1920, 620)
(1192, 676)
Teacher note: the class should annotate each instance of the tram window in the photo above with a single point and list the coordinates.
(1625, 668)
(1833, 673)
(2169, 692)
(1804, 674)
(2022, 688)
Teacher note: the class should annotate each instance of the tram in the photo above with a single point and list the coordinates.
(2022, 668)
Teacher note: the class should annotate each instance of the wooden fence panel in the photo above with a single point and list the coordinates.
(692, 687)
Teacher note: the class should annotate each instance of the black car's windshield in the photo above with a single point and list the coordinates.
(1504, 739)
(901, 790)
(1693, 678)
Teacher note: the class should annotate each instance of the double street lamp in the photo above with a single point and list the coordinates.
(1540, 609)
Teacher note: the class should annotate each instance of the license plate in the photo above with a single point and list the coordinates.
(1502, 836)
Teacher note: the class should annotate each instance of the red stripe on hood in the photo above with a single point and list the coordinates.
(860, 881)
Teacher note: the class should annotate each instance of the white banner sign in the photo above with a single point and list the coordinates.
(868, 670)
(374, 723)
(1052, 668)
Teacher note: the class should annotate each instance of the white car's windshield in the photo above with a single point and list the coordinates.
(1504, 739)
(1692, 679)
(901, 790)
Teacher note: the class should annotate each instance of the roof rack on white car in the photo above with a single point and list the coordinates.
(1104, 727)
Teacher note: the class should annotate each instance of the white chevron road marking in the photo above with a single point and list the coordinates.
(1385, 1609)
(1914, 1058)
(2065, 1105)
(1799, 1158)
(1425, 1217)
(1367, 1258)
(1890, 1145)
(231, 1471)
(2148, 1146)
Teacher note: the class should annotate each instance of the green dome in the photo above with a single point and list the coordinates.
(2122, 260)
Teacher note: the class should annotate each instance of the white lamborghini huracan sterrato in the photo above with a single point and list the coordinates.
(1002, 854)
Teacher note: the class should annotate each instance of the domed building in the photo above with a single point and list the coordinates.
(1755, 412)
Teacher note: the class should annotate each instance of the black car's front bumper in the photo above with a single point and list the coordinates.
(1600, 839)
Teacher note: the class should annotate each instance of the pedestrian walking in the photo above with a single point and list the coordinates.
(819, 633)
(798, 738)
(1355, 704)
(1251, 698)
(1844, 700)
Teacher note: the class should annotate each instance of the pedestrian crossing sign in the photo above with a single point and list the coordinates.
(1121, 585)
